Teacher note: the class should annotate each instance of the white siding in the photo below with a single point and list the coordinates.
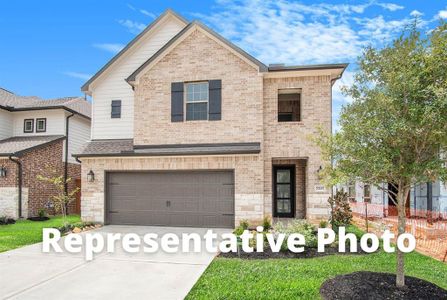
(5, 124)
(114, 87)
(55, 122)
(78, 135)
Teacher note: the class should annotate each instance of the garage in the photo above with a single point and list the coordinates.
(171, 198)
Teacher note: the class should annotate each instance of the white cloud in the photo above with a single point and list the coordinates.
(113, 48)
(443, 14)
(416, 13)
(78, 75)
(391, 6)
(149, 14)
(295, 33)
(132, 26)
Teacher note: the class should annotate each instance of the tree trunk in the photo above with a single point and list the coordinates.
(401, 222)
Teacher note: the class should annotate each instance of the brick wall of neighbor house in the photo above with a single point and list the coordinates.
(45, 161)
(199, 58)
(291, 139)
(248, 171)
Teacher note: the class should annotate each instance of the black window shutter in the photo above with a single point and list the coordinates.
(177, 102)
(215, 100)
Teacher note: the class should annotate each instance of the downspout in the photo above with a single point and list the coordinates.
(19, 182)
(67, 122)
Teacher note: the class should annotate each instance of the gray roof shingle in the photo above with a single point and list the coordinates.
(18, 145)
(127, 148)
(13, 102)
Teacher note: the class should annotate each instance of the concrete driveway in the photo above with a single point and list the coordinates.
(27, 273)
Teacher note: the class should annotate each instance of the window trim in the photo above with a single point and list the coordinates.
(44, 124)
(186, 102)
(290, 91)
(24, 126)
(115, 103)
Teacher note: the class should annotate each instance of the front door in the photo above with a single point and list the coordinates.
(284, 191)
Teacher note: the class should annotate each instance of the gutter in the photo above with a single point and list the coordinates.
(19, 182)
(14, 109)
(67, 124)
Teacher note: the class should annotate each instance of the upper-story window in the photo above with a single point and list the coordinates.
(41, 125)
(28, 125)
(289, 105)
(197, 97)
(116, 109)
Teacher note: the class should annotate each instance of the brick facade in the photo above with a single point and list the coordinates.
(249, 114)
(46, 161)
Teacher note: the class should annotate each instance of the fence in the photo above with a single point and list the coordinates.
(428, 227)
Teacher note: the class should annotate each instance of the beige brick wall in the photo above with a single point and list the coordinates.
(9, 202)
(248, 171)
(291, 140)
(249, 114)
(199, 58)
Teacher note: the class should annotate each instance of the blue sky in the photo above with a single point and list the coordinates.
(50, 48)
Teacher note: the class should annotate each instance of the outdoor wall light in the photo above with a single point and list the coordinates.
(90, 176)
(2, 172)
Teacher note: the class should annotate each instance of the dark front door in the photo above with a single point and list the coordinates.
(284, 191)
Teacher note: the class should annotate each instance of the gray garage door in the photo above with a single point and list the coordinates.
(178, 198)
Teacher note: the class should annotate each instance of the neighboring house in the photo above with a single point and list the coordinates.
(190, 130)
(429, 197)
(33, 141)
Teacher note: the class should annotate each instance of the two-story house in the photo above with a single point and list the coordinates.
(190, 130)
(38, 137)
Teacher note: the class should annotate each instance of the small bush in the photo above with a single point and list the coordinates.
(298, 226)
(341, 211)
(244, 224)
(267, 224)
(42, 213)
(6, 221)
(323, 224)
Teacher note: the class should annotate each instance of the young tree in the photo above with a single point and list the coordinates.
(395, 130)
(61, 199)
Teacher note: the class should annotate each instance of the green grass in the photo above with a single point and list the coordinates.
(229, 278)
(25, 232)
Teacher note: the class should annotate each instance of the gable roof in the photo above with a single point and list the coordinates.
(196, 24)
(168, 12)
(12, 102)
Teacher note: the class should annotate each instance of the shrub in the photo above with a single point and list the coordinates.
(298, 226)
(244, 224)
(267, 224)
(323, 224)
(6, 221)
(42, 213)
(341, 211)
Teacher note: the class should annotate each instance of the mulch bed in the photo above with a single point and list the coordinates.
(6, 221)
(38, 219)
(268, 254)
(378, 286)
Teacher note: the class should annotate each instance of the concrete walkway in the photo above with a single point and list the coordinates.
(27, 273)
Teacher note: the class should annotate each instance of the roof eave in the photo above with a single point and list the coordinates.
(86, 86)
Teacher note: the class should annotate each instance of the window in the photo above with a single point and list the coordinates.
(351, 191)
(41, 125)
(197, 101)
(367, 193)
(289, 105)
(28, 125)
(116, 109)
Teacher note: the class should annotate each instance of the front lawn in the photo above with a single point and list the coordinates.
(228, 278)
(25, 232)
